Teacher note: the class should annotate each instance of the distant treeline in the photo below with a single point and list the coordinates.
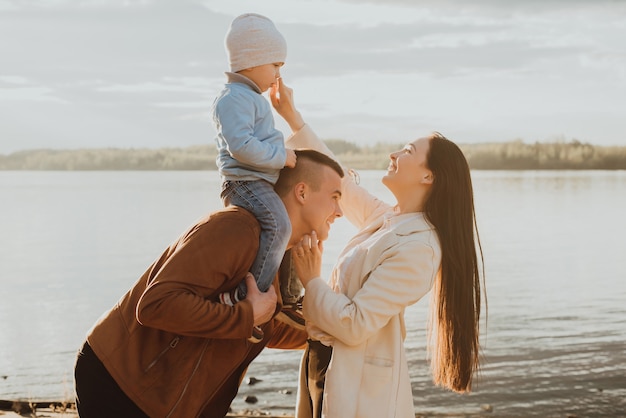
(515, 155)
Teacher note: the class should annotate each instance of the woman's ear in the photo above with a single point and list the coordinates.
(428, 178)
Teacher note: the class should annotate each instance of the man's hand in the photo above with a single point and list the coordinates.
(263, 304)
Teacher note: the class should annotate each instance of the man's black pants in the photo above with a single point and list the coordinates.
(97, 393)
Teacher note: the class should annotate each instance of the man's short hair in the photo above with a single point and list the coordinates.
(306, 170)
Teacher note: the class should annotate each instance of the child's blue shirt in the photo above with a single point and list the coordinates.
(249, 147)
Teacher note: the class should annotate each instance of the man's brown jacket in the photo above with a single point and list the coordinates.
(171, 347)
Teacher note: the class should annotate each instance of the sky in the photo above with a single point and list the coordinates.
(143, 73)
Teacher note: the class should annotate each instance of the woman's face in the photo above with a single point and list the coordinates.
(408, 168)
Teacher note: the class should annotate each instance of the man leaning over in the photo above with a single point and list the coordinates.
(168, 348)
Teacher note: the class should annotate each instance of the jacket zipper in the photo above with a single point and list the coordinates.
(171, 345)
(195, 369)
(222, 382)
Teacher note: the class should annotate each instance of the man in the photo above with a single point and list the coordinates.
(168, 348)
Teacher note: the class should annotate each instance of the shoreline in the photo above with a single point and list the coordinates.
(53, 412)
(63, 410)
(57, 409)
(569, 380)
(561, 379)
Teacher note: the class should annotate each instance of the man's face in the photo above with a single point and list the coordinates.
(322, 206)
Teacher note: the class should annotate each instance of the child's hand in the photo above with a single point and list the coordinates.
(291, 158)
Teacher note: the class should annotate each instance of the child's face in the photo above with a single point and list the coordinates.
(263, 76)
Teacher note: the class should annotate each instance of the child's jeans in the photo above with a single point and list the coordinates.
(260, 198)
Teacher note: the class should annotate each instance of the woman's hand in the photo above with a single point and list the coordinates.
(282, 100)
(308, 258)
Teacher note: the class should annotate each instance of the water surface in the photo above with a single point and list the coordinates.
(71, 243)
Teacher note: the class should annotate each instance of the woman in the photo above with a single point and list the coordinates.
(427, 240)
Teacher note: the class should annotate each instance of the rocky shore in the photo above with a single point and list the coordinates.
(54, 409)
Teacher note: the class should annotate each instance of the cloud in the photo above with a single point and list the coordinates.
(20, 89)
(322, 13)
(146, 72)
(491, 6)
(12, 81)
(76, 42)
(438, 49)
(194, 94)
(36, 94)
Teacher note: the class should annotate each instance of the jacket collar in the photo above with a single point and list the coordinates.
(242, 79)
(407, 223)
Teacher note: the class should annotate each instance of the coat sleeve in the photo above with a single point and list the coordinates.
(359, 206)
(402, 277)
(181, 295)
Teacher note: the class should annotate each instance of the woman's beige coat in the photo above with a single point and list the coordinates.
(363, 309)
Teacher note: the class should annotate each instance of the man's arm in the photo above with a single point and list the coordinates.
(212, 257)
(287, 337)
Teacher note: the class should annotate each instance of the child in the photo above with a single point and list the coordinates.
(251, 152)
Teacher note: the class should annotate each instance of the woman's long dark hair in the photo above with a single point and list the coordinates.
(455, 313)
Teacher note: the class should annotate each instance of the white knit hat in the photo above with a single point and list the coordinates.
(253, 40)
